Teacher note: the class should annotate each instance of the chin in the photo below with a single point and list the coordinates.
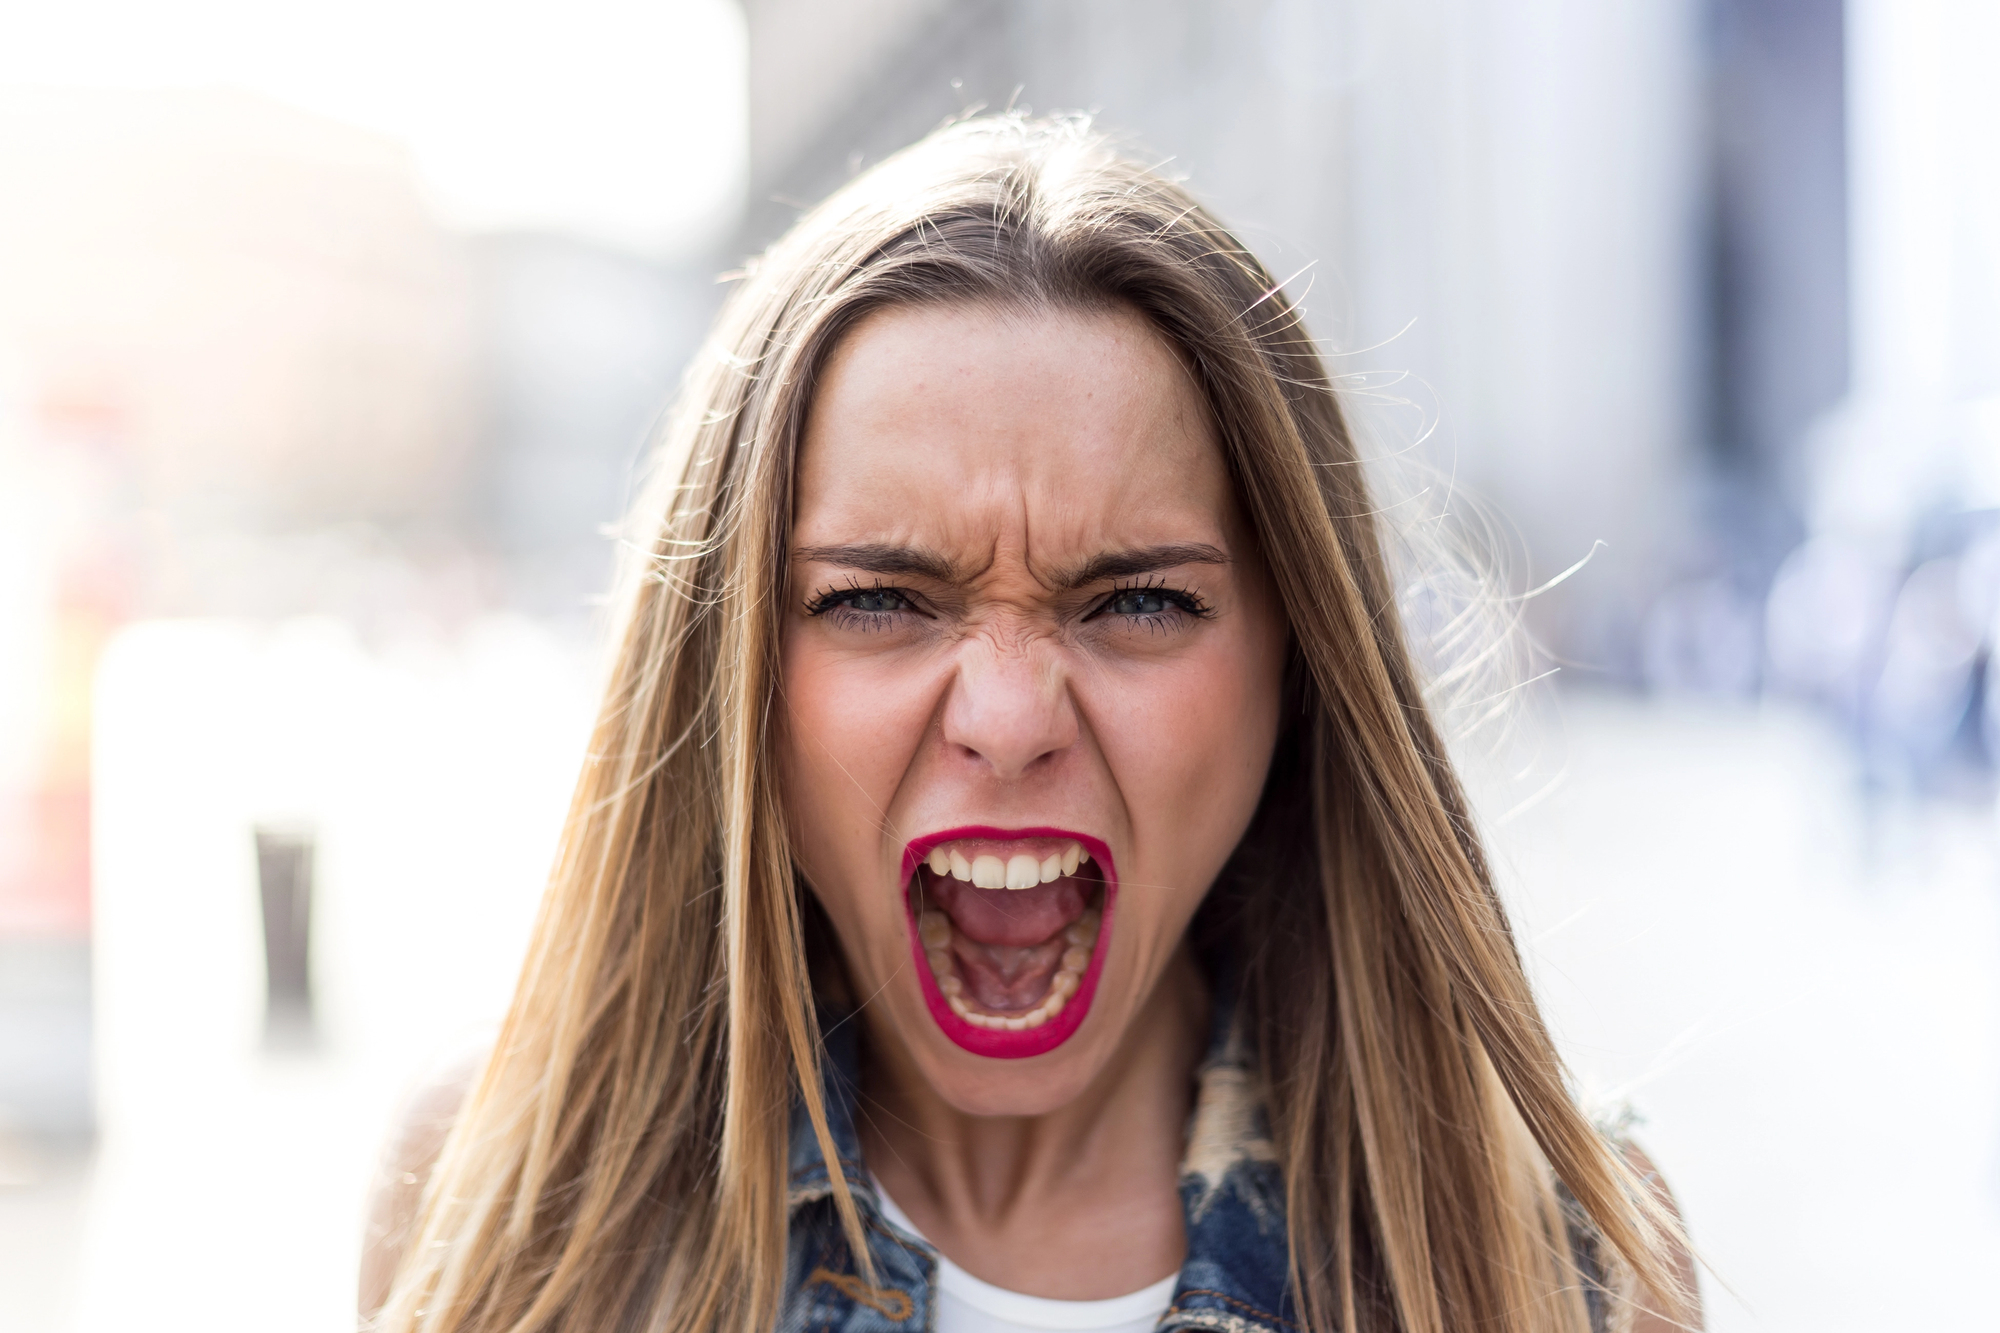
(1012, 1090)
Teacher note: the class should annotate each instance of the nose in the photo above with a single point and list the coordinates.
(1010, 708)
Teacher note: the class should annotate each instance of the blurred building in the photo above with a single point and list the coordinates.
(581, 347)
(1585, 261)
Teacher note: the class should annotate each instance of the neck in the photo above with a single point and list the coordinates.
(1027, 1202)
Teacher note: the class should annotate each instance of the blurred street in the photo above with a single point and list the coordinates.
(227, 1185)
(1798, 995)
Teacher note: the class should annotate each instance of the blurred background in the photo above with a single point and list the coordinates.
(330, 335)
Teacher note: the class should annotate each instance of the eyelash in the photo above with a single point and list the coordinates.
(836, 601)
(1179, 599)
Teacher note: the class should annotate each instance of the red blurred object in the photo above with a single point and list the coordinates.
(89, 582)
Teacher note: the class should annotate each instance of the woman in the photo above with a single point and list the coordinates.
(1015, 881)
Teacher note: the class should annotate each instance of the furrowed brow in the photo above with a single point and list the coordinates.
(878, 558)
(1143, 560)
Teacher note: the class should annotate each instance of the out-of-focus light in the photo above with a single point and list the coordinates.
(625, 122)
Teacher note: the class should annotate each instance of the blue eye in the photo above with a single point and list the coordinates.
(1158, 606)
(872, 608)
(875, 599)
(1140, 602)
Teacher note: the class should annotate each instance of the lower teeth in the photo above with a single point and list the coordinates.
(934, 930)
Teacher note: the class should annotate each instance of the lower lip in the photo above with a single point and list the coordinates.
(1003, 1045)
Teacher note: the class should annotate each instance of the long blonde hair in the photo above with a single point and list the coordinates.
(621, 1162)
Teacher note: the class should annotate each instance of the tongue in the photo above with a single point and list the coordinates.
(1008, 943)
(1012, 917)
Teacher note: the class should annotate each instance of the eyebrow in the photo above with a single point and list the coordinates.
(1142, 560)
(879, 558)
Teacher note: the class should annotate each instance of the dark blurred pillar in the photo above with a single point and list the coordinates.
(1779, 259)
(285, 891)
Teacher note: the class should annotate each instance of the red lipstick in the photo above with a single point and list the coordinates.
(1058, 1028)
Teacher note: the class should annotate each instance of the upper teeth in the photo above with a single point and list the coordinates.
(1022, 871)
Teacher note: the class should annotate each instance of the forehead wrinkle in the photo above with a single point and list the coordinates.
(1112, 560)
(1014, 544)
(1028, 561)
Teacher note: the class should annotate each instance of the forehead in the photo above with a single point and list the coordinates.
(967, 429)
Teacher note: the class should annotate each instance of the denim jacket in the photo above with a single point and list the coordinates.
(1234, 1276)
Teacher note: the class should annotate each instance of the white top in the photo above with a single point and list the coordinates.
(967, 1305)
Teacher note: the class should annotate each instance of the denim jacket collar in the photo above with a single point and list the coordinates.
(1234, 1278)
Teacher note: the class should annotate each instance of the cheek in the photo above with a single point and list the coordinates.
(1189, 747)
(848, 737)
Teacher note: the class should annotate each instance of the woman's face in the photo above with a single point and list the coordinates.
(1030, 683)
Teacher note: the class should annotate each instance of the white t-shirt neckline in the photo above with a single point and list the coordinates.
(1006, 1309)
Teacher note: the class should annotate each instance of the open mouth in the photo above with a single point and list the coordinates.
(1009, 928)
